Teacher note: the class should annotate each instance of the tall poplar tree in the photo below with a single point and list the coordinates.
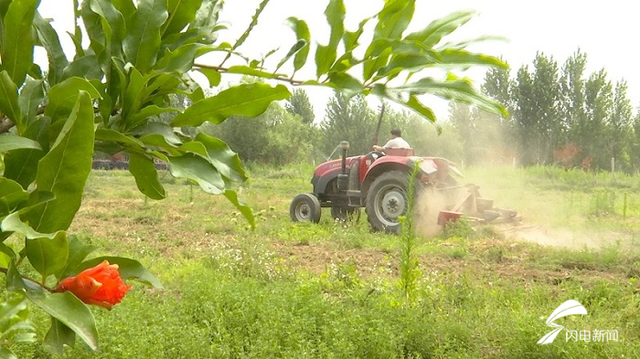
(572, 89)
(299, 104)
(620, 126)
(546, 95)
(348, 119)
(598, 104)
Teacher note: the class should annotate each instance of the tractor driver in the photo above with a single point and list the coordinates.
(396, 141)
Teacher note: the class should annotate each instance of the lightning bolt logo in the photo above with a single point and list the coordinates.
(570, 307)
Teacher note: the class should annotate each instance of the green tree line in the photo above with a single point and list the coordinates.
(288, 132)
(559, 115)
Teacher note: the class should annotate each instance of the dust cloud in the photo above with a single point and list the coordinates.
(428, 204)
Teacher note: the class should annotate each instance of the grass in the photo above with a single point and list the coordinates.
(333, 290)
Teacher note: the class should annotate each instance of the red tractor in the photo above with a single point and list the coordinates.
(378, 181)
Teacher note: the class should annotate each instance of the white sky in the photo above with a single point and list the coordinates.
(605, 31)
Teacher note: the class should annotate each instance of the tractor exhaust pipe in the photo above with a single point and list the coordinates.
(343, 178)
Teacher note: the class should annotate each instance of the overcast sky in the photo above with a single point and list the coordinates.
(605, 31)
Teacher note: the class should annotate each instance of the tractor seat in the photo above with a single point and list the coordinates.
(404, 152)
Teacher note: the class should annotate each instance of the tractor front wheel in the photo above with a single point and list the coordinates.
(387, 201)
(305, 207)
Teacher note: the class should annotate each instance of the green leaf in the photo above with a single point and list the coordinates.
(64, 307)
(133, 93)
(30, 98)
(350, 38)
(213, 76)
(48, 256)
(11, 308)
(125, 7)
(13, 223)
(302, 34)
(9, 100)
(375, 62)
(456, 89)
(50, 41)
(146, 175)
(78, 252)
(198, 169)
(345, 83)
(142, 43)
(162, 84)
(222, 157)
(11, 195)
(70, 312)
(296, 48)
(206, 26)
(86, 66)
(15, 282)
(393, 19)
(410, 62)
(437, 29)
(326, 55)
(463, 57)
(417, 106)
(17, 56)
(64, 170)
(99, 31)
(22, 165)
(158, 128)
(181, 59)
(105, 134)
(160, 141)
(181, 13)
(15, 326)
(150, 111)
(10, 142)
(62, 97)
(113, 26)
(248, 100)
(9, 254)
(7, 354)
(57, 336)
(246, 211)
(128, 269)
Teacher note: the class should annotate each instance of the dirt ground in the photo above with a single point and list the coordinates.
(565, 238)
(97, 220)
(369, 263)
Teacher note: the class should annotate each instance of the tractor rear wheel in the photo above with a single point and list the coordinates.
(387, 201)
(345, 214)
(305, 207)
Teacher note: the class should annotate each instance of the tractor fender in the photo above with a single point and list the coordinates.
(320, 182)
(431, 168)
(384, 165)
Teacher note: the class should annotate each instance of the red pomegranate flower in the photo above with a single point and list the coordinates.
(100, 285)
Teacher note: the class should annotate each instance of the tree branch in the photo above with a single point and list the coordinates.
(226, 70)
(6, 270)
(5, 125)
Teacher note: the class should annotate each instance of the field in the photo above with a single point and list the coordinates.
(336, 290)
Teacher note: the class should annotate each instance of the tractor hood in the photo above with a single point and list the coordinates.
(331, 166)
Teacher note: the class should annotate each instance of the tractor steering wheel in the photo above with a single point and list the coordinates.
(374, 155)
